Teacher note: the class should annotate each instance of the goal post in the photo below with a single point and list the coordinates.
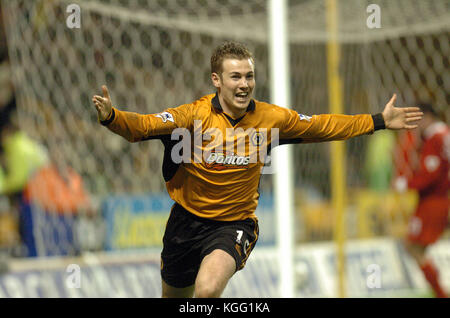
(283, 174)
(338, 164)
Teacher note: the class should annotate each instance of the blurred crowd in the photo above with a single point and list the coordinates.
(33, 180)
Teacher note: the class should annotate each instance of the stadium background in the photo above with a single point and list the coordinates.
(155, 54)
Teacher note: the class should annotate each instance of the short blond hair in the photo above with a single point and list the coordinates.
(226, 50)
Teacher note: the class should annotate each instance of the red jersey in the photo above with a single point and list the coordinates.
(433, 178)
(405, 153)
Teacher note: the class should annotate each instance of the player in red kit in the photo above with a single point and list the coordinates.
(431, 179)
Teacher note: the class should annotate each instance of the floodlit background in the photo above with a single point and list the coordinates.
(109, 217)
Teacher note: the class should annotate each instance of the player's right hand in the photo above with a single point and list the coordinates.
(103, 104)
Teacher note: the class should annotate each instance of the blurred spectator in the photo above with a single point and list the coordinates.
(56, 196)
(20, 156)
(379, 160)
(431, 180)
(56, 187)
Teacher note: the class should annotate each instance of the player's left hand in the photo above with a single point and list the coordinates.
(401, 118)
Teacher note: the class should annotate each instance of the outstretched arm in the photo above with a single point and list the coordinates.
(328, 127)
(400, 118)
(136, 127)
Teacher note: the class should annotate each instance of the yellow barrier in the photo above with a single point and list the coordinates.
(370, 214)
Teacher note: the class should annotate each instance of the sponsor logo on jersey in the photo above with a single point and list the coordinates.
(304, 117)
(165, 116)
(221, 161)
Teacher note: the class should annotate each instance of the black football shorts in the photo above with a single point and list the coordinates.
(188, 238)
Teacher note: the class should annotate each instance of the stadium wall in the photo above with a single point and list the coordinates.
(375, 268)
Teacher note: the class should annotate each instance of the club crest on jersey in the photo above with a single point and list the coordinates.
(257, 138)
(165, 116)
(221, 161)
(304, 117)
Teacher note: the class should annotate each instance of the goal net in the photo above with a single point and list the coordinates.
(406, 54)
(155, 54)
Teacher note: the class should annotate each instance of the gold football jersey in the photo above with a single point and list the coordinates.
(212, 163)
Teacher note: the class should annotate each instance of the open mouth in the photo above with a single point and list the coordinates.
(241, 96)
